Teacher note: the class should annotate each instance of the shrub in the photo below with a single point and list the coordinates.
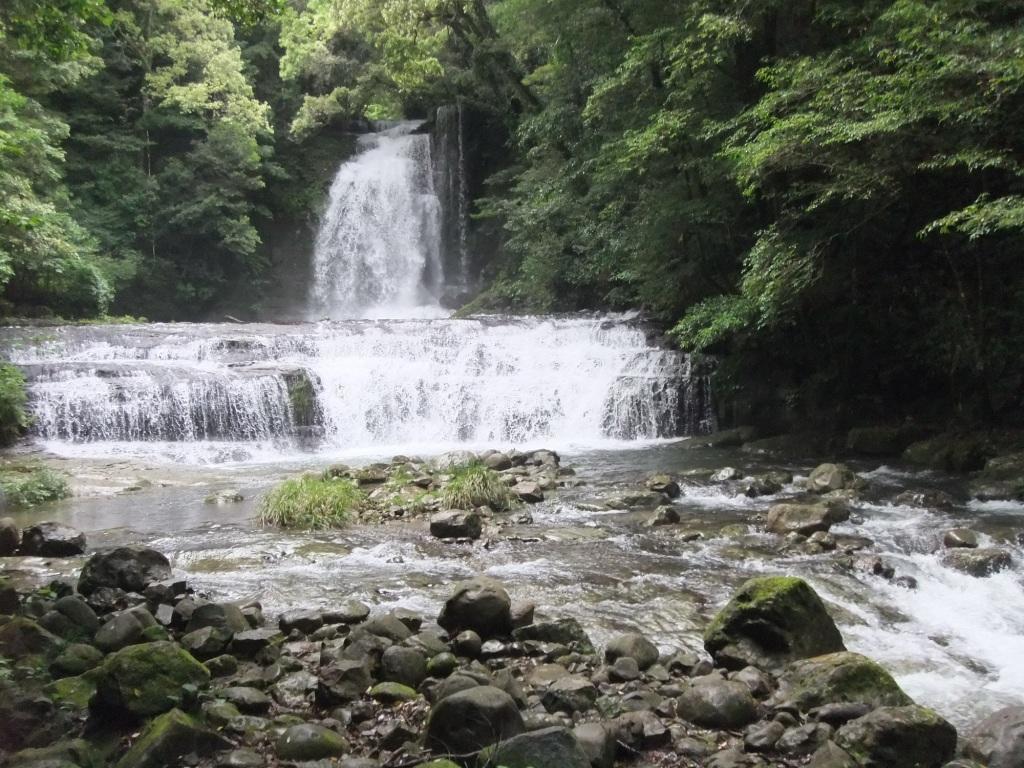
(311, 503)
(14, 419)
(474, 485)
(27, 485)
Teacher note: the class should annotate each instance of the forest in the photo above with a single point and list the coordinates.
(826, 195)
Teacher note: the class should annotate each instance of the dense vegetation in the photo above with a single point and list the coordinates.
(832, 192)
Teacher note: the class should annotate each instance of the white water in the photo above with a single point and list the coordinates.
(378, 251)
(221, 393)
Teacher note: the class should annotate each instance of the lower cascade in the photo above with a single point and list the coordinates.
(361, 384)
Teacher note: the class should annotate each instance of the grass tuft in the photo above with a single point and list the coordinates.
(311, 503)
(474, 485)
(26, 485)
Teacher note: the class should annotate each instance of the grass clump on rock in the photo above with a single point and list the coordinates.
(474, 485)
(311, 503)
(26, 485)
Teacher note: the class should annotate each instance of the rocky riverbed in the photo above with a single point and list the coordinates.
(617, 546)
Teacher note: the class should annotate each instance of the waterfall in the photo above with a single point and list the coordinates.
(357, 385)
(453, 190)
(378, 250)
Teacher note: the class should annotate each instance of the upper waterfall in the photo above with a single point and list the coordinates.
(378, 251)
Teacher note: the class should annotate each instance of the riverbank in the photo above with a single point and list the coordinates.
(950, 642)
(159, 676)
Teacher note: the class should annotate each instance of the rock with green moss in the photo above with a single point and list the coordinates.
(770, 622)
(908, 737)
(840, 678)
(952, 453)
(22, 638)
(170, 737)
(73, 692)
(147, 679)
(76, 752)
(310, 742)
(441, 763)
(555, 747)
(76, 659)
(393, 693)
(887, 440)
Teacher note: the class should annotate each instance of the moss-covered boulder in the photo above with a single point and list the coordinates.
(886, 440)
(73, 693)
(908, 737)
(168, 738)
(310, 742)
(839, 678)
(76, 752)
(21, 638)
(770, 622)
(950, 452)
(147, 679)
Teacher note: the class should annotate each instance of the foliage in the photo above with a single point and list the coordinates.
(28, 485)
(475, 485)
(14, 418)
(311, 503)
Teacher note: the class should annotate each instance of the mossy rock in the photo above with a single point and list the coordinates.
(908, 737)
(168, 738)
(22, 638)
(73, 692)
(147, 679)
(555, 747)
(306, 741)
(77, 752)
(952, 453)
(76, 659)
(840, 678)
(441, 763)
(770, 622)
(393, 693)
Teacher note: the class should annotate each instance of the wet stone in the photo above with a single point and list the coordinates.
(307, 622)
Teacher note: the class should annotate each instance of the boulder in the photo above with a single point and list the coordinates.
(925, 499)
(566, 632)
(835, 678)
(170, 737)
(78, 612)
(804, 519)
(664, 484)
(123, 629)
(10, 537)
(385, 625)
(351, 612)
(456, 524)
(977, 562)
(826, 478)
(545, 748)
(528, 491)
(909, 737)
(226, 616)
(569, 695)
(664, 515)
(598, 743)
(392, 693)
(76, 659)
(403, 665)
(713, 702)
(147, 679)
(770, 622)
(480, 604)
(52, 540)
(306, 742)
(127, 568)
(950, 452)
(960, 538)
(248, 700)
(998, 740)
(498, 461)
(21, 637)
(632, 645)
(468, 721)
(307, 622)
(342, 681)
